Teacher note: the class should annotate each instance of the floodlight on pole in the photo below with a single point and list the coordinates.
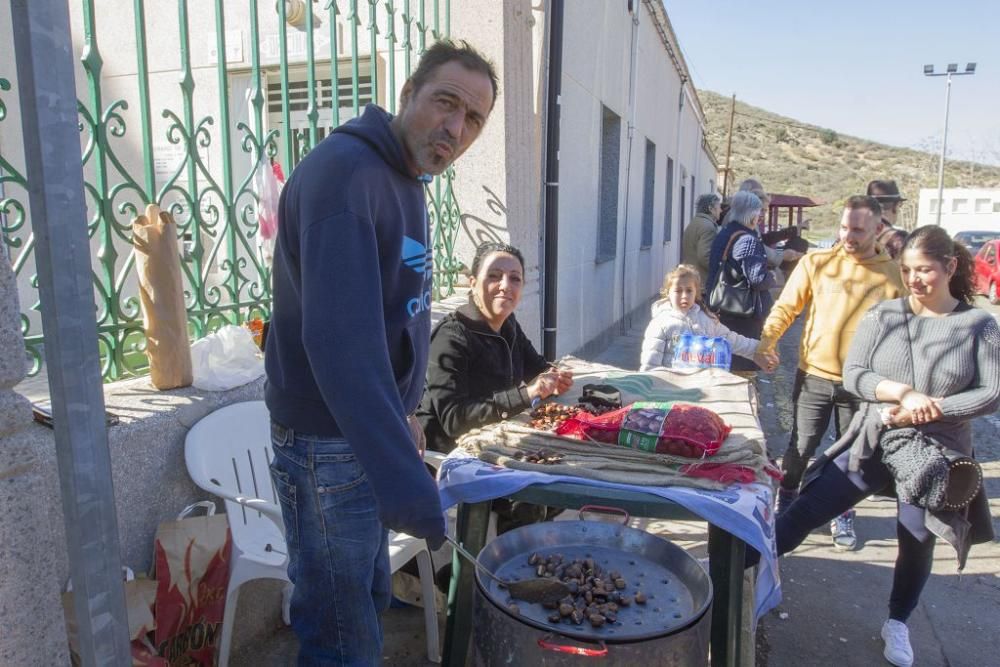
(950, 71)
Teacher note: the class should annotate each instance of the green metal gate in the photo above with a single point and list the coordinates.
(200, 166)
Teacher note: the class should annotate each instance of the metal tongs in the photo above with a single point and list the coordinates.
(542, 589)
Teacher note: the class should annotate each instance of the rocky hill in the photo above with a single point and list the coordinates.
(796, 158)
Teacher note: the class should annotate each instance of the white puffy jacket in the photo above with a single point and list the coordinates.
(667, 326)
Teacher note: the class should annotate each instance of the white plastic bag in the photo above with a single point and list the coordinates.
(225, 359)
(268, 191)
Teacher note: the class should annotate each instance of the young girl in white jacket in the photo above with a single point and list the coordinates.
(681, 311)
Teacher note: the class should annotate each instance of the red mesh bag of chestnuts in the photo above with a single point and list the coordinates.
(678, 429)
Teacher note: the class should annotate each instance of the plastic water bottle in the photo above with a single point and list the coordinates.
(682, 354)
(698, 351)
(722, 356)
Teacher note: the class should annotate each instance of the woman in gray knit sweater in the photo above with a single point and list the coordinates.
(931, 362)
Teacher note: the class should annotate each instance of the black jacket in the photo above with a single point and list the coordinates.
(475, 376)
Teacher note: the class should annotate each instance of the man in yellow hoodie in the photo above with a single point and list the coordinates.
(834, 287)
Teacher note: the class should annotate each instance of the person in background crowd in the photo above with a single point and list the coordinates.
(700, 233)
(483, 369)
(682, 311)
(748, 260)
(775, 257)
(932, 361)
(889, 236)
(834, 287)
(347, 350)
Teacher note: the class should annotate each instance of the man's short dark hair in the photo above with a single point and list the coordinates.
(864, 201)
(706, 202)
(443, 52)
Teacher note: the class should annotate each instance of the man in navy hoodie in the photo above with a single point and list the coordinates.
(347, 350)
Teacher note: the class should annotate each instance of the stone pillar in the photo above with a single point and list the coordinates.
(31, 617)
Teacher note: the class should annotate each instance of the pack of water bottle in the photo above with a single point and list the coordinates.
(694, 351)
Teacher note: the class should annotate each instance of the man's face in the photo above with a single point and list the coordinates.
(858, 229)
(440, 120)
(716, 210)
(890, 211)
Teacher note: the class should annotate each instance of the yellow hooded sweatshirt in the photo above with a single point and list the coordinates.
(836, 289)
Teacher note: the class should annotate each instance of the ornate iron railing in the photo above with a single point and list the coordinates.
(226, 279)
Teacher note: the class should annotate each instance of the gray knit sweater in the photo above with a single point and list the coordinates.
(956, 357)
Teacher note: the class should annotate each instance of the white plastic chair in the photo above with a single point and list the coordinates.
(228, 454)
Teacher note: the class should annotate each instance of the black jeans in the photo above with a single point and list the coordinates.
(836, 491)
(814, 399)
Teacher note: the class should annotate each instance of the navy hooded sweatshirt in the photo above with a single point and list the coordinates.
(350, 321)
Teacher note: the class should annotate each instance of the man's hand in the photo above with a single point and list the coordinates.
(767, 360)
(417, 433)
(790, 255)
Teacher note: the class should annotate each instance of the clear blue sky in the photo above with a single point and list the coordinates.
(855, 67)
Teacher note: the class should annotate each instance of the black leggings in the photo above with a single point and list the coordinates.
(836, 491)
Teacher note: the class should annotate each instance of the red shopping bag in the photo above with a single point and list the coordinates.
(192, 573)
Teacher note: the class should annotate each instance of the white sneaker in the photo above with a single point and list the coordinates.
(897, 643)
(842, 532)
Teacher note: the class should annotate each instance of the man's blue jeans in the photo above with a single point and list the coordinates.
(337, 547)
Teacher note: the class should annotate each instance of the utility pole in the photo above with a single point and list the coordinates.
(54, 171)
(951, 70)
(729, 147)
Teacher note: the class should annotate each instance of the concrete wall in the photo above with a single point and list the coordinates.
(151, 486)
(594, 296)
(31, 621)
(965, 209)
(498, 184)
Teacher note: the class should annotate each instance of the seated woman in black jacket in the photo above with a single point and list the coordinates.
(482, 368)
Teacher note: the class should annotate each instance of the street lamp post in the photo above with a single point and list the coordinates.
(951, 70)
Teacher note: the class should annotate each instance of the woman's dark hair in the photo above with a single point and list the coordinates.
(444, 51)
(489, 247)
(934, 242)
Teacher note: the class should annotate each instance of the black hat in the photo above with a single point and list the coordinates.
(885, 192)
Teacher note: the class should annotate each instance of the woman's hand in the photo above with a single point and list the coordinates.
(550, 383)
(564, 381)
(922, 408)
(899, 417)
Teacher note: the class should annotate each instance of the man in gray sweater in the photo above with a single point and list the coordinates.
(700, 233)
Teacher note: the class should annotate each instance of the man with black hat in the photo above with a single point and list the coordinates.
(889, 237)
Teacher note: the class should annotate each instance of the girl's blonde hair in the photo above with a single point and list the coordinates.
(682, 272)
(686, 272)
